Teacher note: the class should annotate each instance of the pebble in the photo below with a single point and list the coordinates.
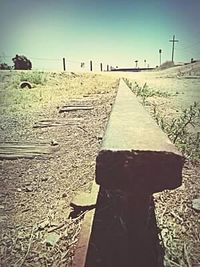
(28, 189)
(52, 239)
(44, 179)
(196, 204)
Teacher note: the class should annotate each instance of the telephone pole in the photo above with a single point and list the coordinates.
(173, 42)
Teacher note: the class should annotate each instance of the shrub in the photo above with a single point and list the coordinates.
(4, 66)
(21, 63)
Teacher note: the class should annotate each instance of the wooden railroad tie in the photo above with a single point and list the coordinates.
(57, 122)
(15, 150)
(67, 108)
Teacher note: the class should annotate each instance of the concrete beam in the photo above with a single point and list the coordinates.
(136, 159)
(136, 156)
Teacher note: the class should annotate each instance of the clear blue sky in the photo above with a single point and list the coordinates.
(113, 32)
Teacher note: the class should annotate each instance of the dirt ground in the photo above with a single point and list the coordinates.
(35, 194)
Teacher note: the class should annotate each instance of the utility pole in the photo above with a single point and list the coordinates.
(160, 52)
(173, 42)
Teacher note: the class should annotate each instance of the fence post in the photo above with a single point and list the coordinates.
(101, 66)
(64, 65)
(90, 65)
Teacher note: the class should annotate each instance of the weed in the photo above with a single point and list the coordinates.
(36, 77)
(144, 91)
(179, 130)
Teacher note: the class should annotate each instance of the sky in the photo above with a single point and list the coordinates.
(114, 32)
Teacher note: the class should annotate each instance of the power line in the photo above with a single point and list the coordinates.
(190, 46)
(49, 59)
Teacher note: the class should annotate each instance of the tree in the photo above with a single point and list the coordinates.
(21, 63)
(4, 66)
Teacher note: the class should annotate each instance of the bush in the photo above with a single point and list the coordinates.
(21, 63)
(4, 66)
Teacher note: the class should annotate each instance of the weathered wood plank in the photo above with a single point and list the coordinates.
(56, 122)
(75, 108)
(14, 150)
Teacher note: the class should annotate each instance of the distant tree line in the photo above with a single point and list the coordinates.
(20, 63)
